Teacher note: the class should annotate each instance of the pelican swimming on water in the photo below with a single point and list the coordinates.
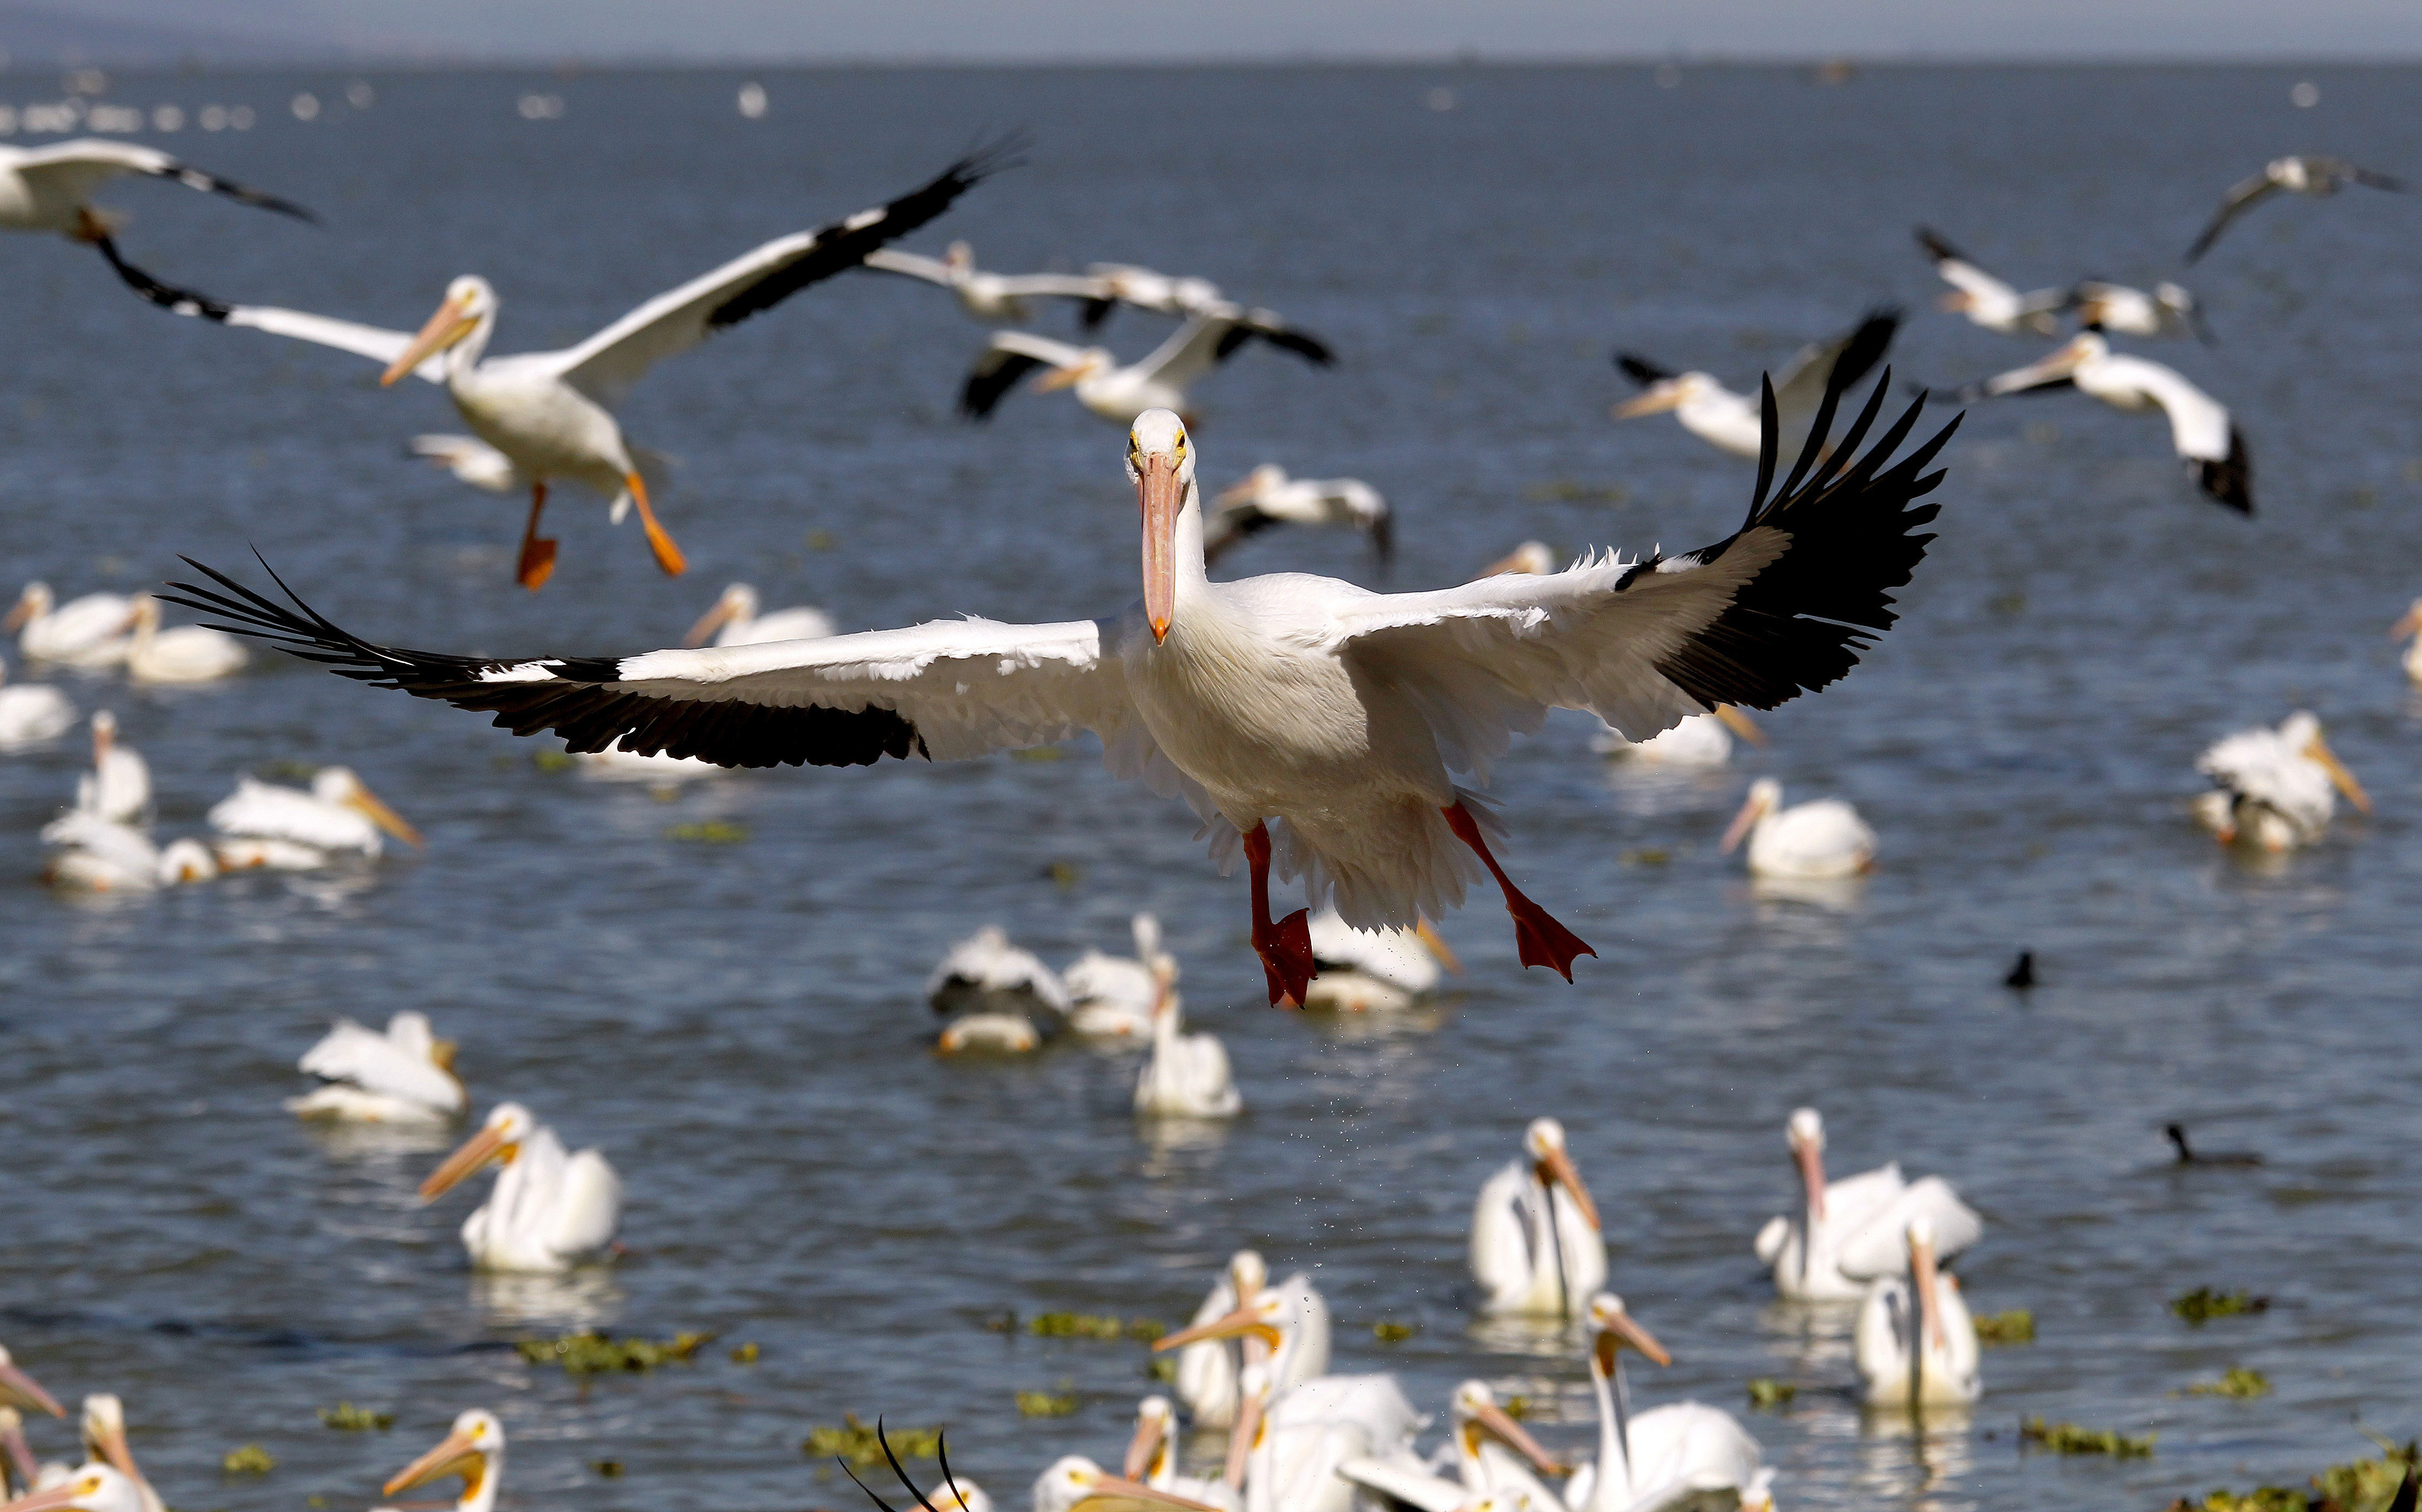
(1338, 713)
(1701, 740)
(2275, 790)
(1732, 422)
(1850, 1230)
(339, 813)
(1113, 997)
(2316, 177)
(405, 1076)
(2409, 629)
(1119, 393)
(1494, 1457)
(998, 993)
(1269, 497)
(1667, 1456)
(995, 298)
(97, 854)
(549, 1212)
(1374, 970)
(1207, 1366)
(1914, 1342)
(1185, 1076)
(1152, 1459)
(474, 1449)
(551, 412)
(118, 786)
(735, 621)
(179, 653)
(1821, 838)
(1076, 1484)
(2206, 438)
(90, 630)
(22, 1392)
(93, 1488)
(1986, 301)
(1536, 1248)
(104, 1430)
(31, 713)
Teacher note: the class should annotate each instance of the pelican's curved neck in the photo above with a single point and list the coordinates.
(462, 357)
(1614, 1437)
(1193, 578)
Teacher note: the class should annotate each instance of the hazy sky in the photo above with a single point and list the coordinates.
(1025, 29)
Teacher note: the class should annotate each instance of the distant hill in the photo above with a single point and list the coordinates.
(42, 37)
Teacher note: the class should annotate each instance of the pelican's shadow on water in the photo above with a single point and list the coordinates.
(586, 1297)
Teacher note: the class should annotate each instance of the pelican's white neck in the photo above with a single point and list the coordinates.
(462, 357)
(1612, 1460)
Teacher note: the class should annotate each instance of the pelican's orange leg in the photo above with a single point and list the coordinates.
(1285, 946)
(538, 552)
(1541, 941)
(669, 555)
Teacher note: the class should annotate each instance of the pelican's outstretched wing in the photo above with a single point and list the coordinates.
(1782, 607)
(2240, 198)
(1193, 349)
(380, 346)
(1009, 356)
(74, 170)
(1960, 272)
(1880, 1245)
(1835, 364)
(947, 689)
(607, 364)
(909, 265)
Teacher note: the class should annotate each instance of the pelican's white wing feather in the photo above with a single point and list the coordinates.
(1881, 1245)
(375, 1062)
(1189, 352)
(380, 346)
(1041, 348)
(588, 1206)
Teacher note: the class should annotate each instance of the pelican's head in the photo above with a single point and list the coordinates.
(499, 1140)
(471, 1450)
(1665, 394)
(1147, 936)
(1248, 1272)
(1076, 1484)
(1089, 362)
(1805, 1134)
(1155, 1426)
(21, 1391)
(104, 1429)
(337, 786)
(1161, 466)
(95, 1487)
(1764, 798)
(1544, 1141)
(469, 302)
(32, 604)
(738, 603)
(1612, 1329)
(959, 258)
(1534, 557)
(104, 736)
(1269, 475)
(2303, 732)
(1477, 1416)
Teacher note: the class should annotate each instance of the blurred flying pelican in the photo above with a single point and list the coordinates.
(2168, 310)
(549, 1211)
(1731, 420)
(1986, 301)
(1185, 1076)
(1667, 1456)
(994, 298)
(118, 787)
(2273, 789)
(2201, 430)
(1847, 1231)
(1124, 283)
(90, 630)
(1207, 1366)
(405, 1076)
(1921, 1355)
(472, 461)
(50, 189)
(473, 1449)
(2315, 177)
(182, 653)
(1269, 497)
(339, 813)
(1374, 970)
(735, 620)
(1536, 1248)
(550, 414)
(31, 713)
(1120, 394)
(1821, 838)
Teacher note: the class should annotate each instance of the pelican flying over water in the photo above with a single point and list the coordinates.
(997, 298)
(2168, 310)
(50, 189)
(2207, 439)
(1734, 422)
(1986, 301)
(1160, 380)
(2315, 177)
(1338, 713)
(1269, 497)
(549, 1211)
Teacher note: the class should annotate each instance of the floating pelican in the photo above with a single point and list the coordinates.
(1494, 1457)
(1338, 712)
(1185, 1076)
(995, 298)
(471, 460)
(405, 1076)
(1120, 394)
(185, 654)
(1076, 1484)
(474, 1449)
(1535, 1245)
(2168, 310)
(1269, 497)
(734, 621)
(339, 813)
(2316, 177)
(97, 854)
(31, 713)
(88, 1489)
(1152, 1459)
(998, 993)
(118, 787)
(1207, 1366)
(1733, 422)
(1287, 1446)
(1857, 1221)
(2410, 629)
(1666, 1455)
(551, 412)
(1986, 301)
(1821, 838)
(1111, 996)
(2273, 789)
(549, 1212)
(104, 1429)
(84, 632)
(2206, 440)
(1925, 1355)
(1374, 970)
(1700, 740)
(1535, 557)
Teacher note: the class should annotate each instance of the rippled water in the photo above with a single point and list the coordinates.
(738, 1026)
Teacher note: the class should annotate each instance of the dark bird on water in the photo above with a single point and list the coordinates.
(2023, 975)
(2188, 1154)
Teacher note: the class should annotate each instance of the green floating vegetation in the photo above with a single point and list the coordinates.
(858, 1444)
(346, 1418)
(2362, 1486)
(744, 1354)
(822, 541)
(713, 832)
(1060, 1403)
(552, 761)
(2203, 1304)
(610, 1469)
(2237, 1381)
(2017, 1326)
(1645, 855)
(1162, 1368)
(1573, 490)
(1064, 874)
(2070, 1438)
(1037, 753)
(1094, 1326)
(594, 1354)
(1767, 1394)
(246, 1459)
(1516, 1407)
(1395, 1332)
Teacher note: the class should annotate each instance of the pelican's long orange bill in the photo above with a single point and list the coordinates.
(1244, 1321)
(375, 809)
(21, 1390)
(64, 1494)
(1501, 1423)
(444, 329)
(1116, 1493)
(1624, 1330)
(476, 1150)
(1559, 1168)
(453, 1455)
(1161, 495)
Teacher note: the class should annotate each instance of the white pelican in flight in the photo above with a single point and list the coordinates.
(1660, 1457)
(549, 1212)
(473, 1449)
(1821, 838)
(2316, 177)
(1494, 1457)
(2208, 441)
(1112, 997)
(1269, 497)
(183, 654)
(551, 412)
(90, 630)
(97, 854)
(31, 713)
(2168, 310)
(1338, 713)
(995, 298)
(1207, 1366)
(1185, 1076)
(93, 1488)
(1732, 421)
(1374, 970)
(405, 1076)
(2409, 629)
(50, 189)
(998, 992)
(1923, 1355)
(1857, 1221)
(2275, 790)
(1536, 1248)
(735, 621)
(1118, 394)
(339, 813)
(1152, 1459)
(1701, 740)
(1184, 296)
(1986, 301)
(118, 787)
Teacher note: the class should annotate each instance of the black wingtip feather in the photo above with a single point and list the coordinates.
(1936, 247)
(1640, 369)
(2230, 481)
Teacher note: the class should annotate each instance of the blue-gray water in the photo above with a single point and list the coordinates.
(739, 1026)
